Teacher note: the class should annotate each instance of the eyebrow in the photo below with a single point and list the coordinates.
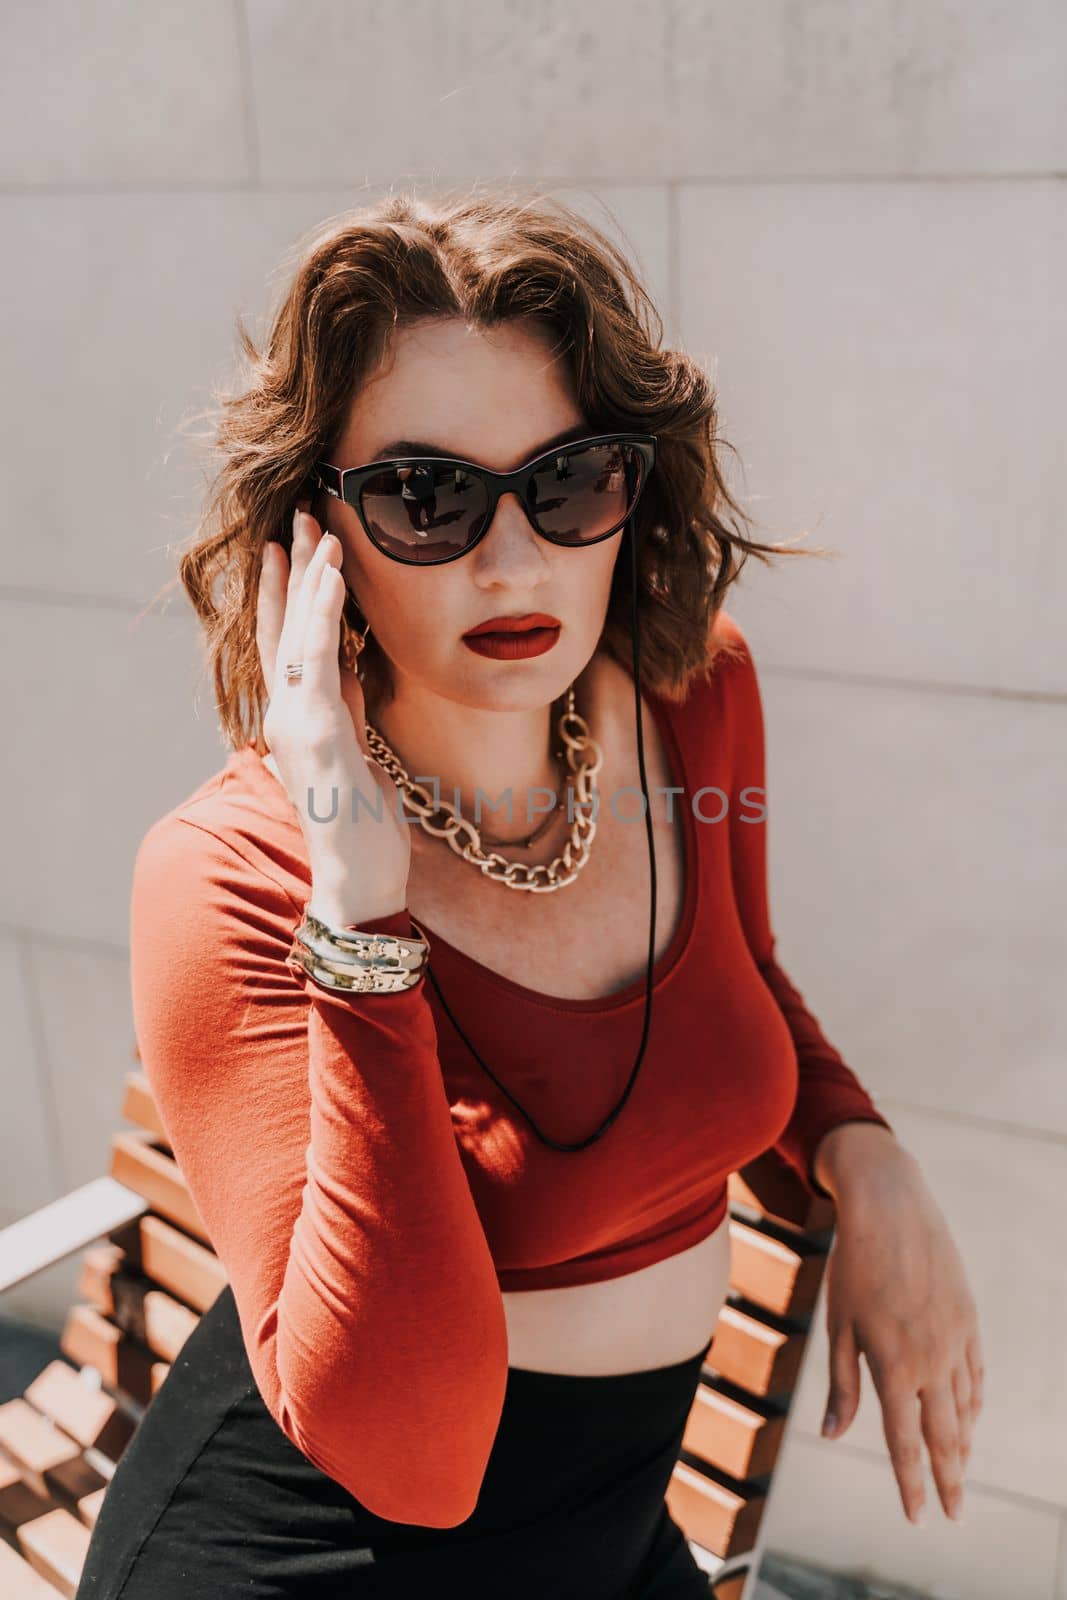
(422, 447)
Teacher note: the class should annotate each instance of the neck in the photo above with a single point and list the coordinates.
(503, 755)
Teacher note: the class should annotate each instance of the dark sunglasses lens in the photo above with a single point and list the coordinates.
(582, 494)
(424, 512)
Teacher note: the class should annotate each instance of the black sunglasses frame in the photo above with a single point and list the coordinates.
(346, 483)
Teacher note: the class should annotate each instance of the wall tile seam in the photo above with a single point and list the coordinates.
(249, 103)
(43, 1075)
(964, 1119)
(30, 595)
(932, 686)
(80, 944)
(613, 180)
(880, 1457)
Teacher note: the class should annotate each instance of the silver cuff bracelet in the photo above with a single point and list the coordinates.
(348, 959)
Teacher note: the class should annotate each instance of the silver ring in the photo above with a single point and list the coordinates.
(294, 671)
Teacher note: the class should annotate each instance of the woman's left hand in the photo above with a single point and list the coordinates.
(897, 1292)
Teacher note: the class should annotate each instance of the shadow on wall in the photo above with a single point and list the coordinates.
(781, 1578)
(25, 1350)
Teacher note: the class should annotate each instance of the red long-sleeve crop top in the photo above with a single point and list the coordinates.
(369, 1190)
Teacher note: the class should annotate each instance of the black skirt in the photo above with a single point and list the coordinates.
(211, 1501)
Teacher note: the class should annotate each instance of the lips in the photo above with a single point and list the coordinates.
(533, 619)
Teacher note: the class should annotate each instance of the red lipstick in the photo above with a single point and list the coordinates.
(514, 638)
(531, 619)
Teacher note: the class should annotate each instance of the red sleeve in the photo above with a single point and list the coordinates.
(314, 1133)
(828, 1092)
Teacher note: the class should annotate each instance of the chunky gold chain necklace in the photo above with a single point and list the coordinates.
(517, 877)
(584, 758)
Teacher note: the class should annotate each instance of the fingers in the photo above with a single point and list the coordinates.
(304, 528)
(976, 1367)
(284, 602)
(968, 1385)
(940, 1426)
(322, 675)
(961, 1393)
(270, 610)
(309, 551)
(900, 1424)
(844, 1397)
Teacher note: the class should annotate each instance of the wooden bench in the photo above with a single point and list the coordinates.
(148, 1272)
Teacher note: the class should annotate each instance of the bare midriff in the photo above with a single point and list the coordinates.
(656, 1316)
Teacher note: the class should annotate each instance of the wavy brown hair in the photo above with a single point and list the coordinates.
(484, 257)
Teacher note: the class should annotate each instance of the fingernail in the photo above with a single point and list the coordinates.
(918, 1517)
(829, 1424)
(296, 520)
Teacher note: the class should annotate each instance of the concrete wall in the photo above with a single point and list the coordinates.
(854, 214)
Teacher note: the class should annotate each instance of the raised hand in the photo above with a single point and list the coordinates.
(359, 848)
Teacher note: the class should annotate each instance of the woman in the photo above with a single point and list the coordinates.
(473, 1210)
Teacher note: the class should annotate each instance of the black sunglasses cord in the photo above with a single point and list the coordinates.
(582, 1144)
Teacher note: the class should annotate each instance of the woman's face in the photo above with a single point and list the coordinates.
(496, 397)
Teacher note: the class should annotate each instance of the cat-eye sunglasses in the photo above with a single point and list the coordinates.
(427, 509)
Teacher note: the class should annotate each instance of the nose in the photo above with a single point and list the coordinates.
(510, 551)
